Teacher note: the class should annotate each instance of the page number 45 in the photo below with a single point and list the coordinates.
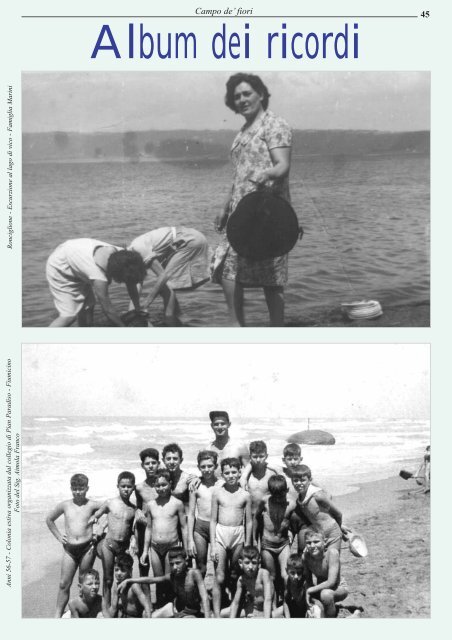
(425, 14)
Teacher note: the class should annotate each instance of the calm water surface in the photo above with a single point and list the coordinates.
(366, 223)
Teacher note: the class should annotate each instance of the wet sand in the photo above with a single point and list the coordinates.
(392, 582)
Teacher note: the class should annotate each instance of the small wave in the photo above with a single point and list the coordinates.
(49, 419)
(57, 449)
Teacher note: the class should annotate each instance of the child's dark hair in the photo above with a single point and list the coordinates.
(124, 561)
(126, 266)
(173, 447)
(231, 462)
(301, 470)
(149, 453)
(79, 479)
(163, 473)
(91, 572)
(177, 552)
(277, 486)
(206, 454)
(258, 446)
(294, 561)
(250, 553)
(126, 475)
(291, 449)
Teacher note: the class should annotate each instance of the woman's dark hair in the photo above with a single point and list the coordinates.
(126, 266)
(253, 81)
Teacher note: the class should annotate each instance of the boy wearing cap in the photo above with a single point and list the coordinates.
(223, 444)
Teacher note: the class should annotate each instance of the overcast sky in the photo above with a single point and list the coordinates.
(317, 381)
(124, 101)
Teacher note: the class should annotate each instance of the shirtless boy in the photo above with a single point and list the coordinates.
(230, 527)
(88, 604)
(254, 587)
(314, 504)
(200, 507)
(144, 492)
(120, 517)
(187, 585)
(132, 602)
(223, 444)
(79, 548)
(257, 482)
(165, 518)
(322, 568)
(273, 513)
(294, 605)
(172, 457)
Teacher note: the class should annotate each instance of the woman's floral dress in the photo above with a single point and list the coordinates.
(250, 155)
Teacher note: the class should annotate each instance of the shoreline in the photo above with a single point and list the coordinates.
(395, 523)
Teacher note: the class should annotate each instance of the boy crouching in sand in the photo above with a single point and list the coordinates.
(254, 593)
(230, 527)
(120, 519)
(322, 569)
(132, 602)
(294, 603)
(78, 540)
(190, 595)
(88, 604)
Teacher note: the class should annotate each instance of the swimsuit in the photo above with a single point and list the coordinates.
(229, 537)
(296, 609)
(274, 547)
(202, 528)
(162, 548)
(78, 551)
(117, 547)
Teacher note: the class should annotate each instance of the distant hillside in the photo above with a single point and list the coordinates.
(189, 145)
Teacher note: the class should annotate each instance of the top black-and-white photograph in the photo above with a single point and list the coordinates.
(216, 199)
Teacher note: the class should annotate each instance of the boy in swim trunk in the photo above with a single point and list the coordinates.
(314, 505)
(165, 518)
(254, 593)
(257, 479)
(230, 528)
(132, 602)
(120, 518)
(88, 604)
(144, 492)
(78, 540)
(322, 569)
(273, 514)
(200, 505)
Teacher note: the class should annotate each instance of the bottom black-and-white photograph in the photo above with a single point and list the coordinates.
(226, 480)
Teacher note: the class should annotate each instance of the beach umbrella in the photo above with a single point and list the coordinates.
(312, 436)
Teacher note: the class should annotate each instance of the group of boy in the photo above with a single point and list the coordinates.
(272, 536)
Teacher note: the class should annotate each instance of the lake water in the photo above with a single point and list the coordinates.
(366, 223)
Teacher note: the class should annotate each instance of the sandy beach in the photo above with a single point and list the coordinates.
(392, 582)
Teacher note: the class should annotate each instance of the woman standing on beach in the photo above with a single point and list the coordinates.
(261, 157)
(80, 271)
(179, 257)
